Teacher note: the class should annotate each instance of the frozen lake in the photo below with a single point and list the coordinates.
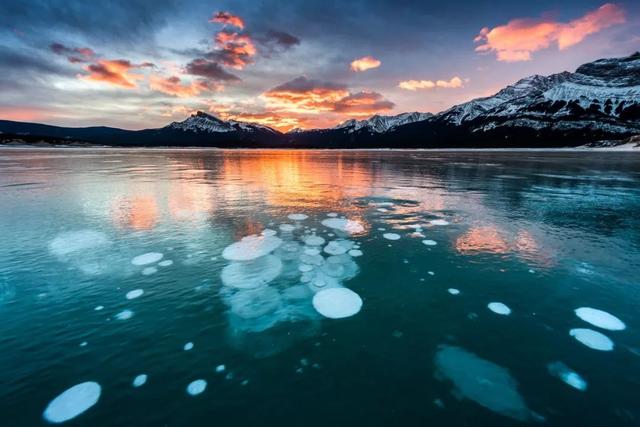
(319, 288)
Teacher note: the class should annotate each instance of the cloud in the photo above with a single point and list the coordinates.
(365, 63)
(74, 54)
(233, 49)
(454, 83)
(280, 39)
(115, 72)
(227, 18)
(303, 95)
(210, 70)
(519, 38)
(173, 86)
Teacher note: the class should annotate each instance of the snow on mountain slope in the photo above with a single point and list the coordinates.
(201, 122)
(380, 124)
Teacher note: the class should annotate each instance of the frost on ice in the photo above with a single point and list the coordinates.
(499, 308)
(72, 402)
(148, 258)
(337, 303)
(592, 339)
(251, 247)
(196, 387)
(600, 318)
(482, 381)
(566, 374)
(342, 224)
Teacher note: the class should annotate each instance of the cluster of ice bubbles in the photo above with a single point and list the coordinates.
(281, 281)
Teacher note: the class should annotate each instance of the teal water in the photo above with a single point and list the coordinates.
(544, 234)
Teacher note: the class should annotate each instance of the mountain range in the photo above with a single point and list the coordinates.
(599, 101)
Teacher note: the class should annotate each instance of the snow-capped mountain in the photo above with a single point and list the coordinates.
(602, 95)
(380, 124)
(201, 122)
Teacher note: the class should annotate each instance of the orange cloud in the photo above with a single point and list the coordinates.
(115, 72)
(455, 82)
(233, 49)
(227, 18)
(365, 63)
(519, 38)
(174, 86)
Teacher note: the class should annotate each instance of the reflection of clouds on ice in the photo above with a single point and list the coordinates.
(271, 281)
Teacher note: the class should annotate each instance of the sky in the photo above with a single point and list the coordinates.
(290, 64)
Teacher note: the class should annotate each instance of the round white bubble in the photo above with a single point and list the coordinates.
(600, 318)
(251, 247)
(335, 248)
(165, 263)
(355, 252)
(148, 258)
(297, 217)
(196, 387)
(499, 308)
(139, 380)
(134, 294)
(72, 402)
(430, 242)
(592, 339)
(148, 271)
(391, 236)
(332, 214)
(124, 315)
(251, 274)
(188, 346)
(314, 240)
(438, 222)
(269, 232)
(337, 303)
(343, 224)
(287, 228)
(453, 291)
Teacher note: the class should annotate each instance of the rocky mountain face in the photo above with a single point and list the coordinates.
(201, 122)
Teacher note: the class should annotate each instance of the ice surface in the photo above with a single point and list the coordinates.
(134, 294)
(592, 339)
(391, 236)
(499, 308)
(73, 242)
(72, 402)
(196, 387)
(337, 303)
(251, 247)
(482, 381)
(600, 318)
(566, 374)
(251, 274)
(148, 258)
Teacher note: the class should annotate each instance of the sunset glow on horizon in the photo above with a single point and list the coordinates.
(149, 65)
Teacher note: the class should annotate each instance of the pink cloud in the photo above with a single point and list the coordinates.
(227, 18)
(413, 85)
(365, 63)
(519, 38)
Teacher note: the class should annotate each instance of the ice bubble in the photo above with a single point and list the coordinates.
(311, 251)
(251, 247)
(312, 259)
(332, 214)
(268, 232)
(323, 281)
(438, 222)
(77, 242)
(592, 339)
(72, 402)
(165, 263)
(355, 252)
(220, 368)
(305, 268)
(148, 258)
(251, 274)
(382, 210)
(341, 267)
(148, 271)
(188, 346)
(196, 387)
(99, 307)
(600, 318)
(499, 308)
(391, 236)
(314, 240)
(566, 374)
(453, 291)
(134, 294)
(124, 315)
(287, 227)
(139, 380)
(83, 344)
(335, 248)
(429, 242)
(342, 224)
(482, 381)
(337, 303)
(289, 251)
(255, 310)
(298, 217)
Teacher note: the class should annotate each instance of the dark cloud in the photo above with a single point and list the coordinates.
(280, 39)
(304, 85)
(209, 69)
(74, 55)
(14, 61)
(363, 103)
